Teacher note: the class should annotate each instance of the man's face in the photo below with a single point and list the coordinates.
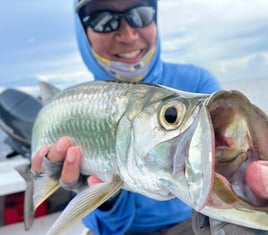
(126, 44)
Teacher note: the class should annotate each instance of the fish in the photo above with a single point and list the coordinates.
(157, 141)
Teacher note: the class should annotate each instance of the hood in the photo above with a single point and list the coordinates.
(78, 5)
(95, 68)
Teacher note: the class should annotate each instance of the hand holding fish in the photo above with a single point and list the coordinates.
(63, 151)
(257, 180)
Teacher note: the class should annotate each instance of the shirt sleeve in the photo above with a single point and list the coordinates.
(197, 79)
(115, 221)
(189, 78)
(207, 82)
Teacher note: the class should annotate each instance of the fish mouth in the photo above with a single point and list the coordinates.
(240, 130)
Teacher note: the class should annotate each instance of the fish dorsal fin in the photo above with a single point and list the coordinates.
(47, 90)
(84, 203)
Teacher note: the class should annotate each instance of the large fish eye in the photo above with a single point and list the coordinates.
(172, 114)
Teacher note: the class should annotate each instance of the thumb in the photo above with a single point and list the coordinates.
(257, 178)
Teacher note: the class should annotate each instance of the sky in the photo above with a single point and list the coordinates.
(229, 38)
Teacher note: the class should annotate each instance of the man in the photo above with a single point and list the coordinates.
(118, 39)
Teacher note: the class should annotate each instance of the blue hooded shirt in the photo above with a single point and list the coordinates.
(133, 212)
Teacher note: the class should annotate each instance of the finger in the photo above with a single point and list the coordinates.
(257, 178)
(58, 151)
(71, 167)
(93, 180)
(38, 158)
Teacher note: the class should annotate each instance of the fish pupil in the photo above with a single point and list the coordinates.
(171, 115)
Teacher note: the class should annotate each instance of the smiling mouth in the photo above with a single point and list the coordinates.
(130, 55)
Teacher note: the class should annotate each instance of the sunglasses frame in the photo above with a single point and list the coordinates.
(116, 15)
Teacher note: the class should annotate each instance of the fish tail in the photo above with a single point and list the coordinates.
(38, 188)
(27, 175)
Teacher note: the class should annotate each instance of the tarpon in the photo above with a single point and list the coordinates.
(159, 142)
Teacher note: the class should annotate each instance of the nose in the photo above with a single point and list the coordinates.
(125, 32)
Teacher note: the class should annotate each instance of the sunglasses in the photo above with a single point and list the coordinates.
(109, 21)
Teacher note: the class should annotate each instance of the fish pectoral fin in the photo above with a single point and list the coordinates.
(38, 189)
(84, 203)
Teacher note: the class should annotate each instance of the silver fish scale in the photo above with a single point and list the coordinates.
(89, 115)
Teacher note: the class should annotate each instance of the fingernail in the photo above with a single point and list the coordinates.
(71, 155)
(61, 145)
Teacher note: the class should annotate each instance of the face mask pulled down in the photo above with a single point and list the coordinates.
(127, 72)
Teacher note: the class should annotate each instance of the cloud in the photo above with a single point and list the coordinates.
(258, 65)
(219, 35)
(257, 62)
(66, 78)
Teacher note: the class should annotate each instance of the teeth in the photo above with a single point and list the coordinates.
(129, 55)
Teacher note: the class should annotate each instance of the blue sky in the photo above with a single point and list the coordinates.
(228, 38)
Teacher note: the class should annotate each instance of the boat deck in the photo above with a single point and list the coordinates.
(40, 227)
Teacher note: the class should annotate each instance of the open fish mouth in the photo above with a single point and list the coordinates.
(241, 133)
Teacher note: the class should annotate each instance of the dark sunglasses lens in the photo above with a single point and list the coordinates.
(107, 21)
(103, 22)
(140, 16)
